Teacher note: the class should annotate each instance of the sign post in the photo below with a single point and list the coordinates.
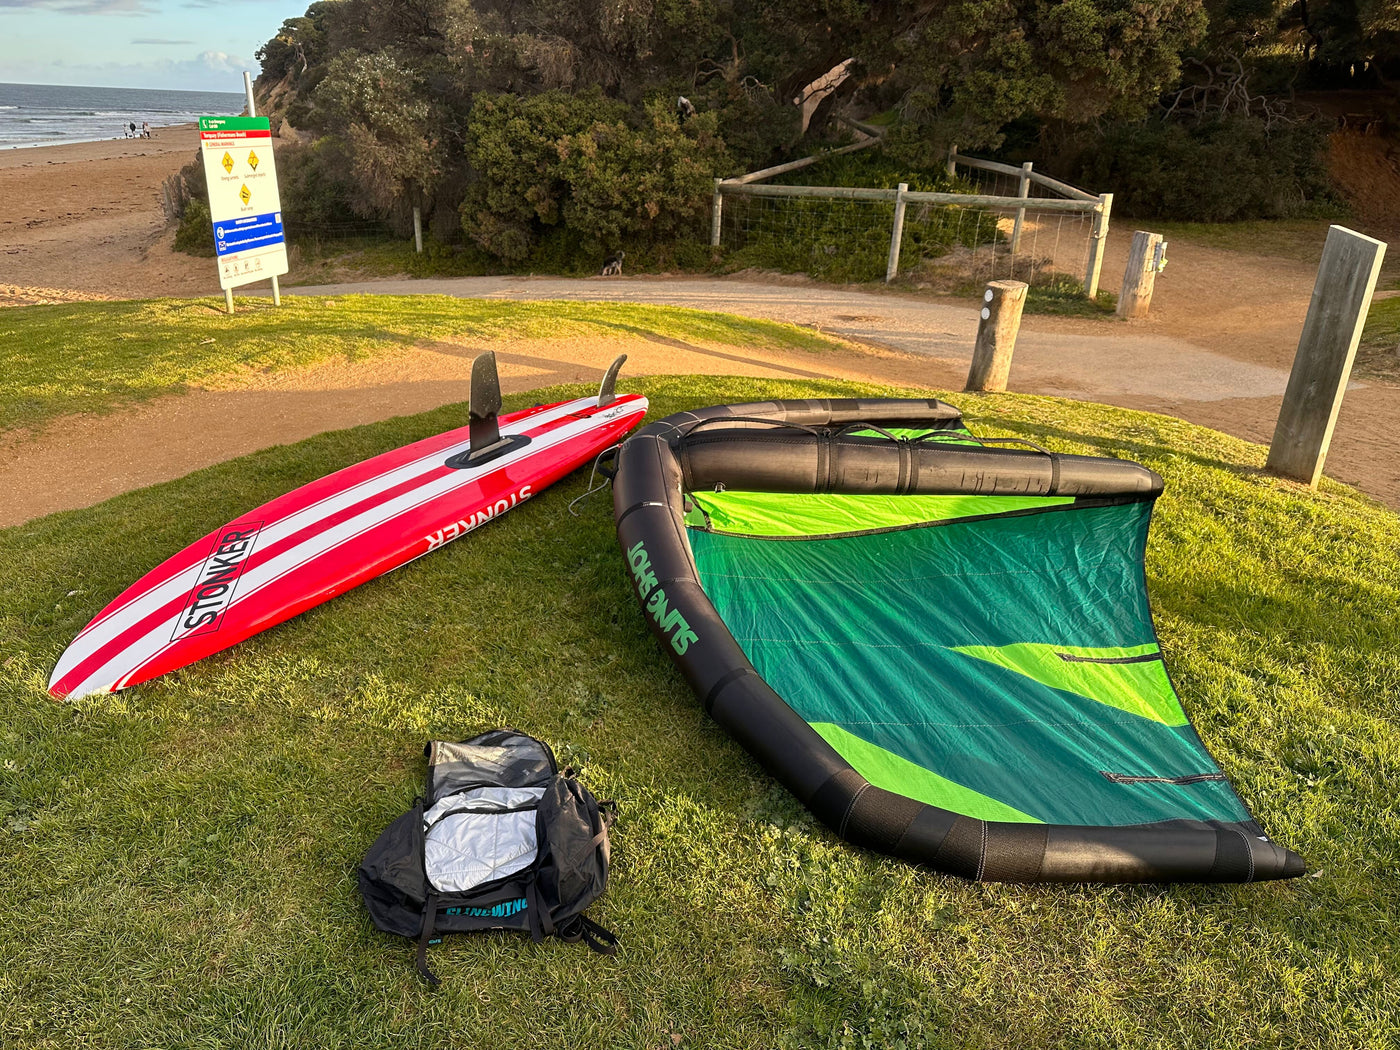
(244, 204)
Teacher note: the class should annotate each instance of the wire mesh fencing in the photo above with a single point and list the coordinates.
(1001, 225)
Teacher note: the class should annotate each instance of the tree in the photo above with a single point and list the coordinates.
(372, 101)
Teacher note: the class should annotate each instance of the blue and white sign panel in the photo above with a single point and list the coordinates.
(243, 200)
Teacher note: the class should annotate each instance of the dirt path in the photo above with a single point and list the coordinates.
(1138, 365)
(101, 457)
(84, 221)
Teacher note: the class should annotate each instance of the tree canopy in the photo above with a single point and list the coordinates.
(518, 114)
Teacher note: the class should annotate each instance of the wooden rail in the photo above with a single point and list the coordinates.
(860, 193)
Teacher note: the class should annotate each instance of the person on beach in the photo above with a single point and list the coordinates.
(145, 129)
(133, 130)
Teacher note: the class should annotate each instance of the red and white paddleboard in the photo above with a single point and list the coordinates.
(324, 538)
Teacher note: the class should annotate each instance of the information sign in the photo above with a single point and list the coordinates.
(243, 200)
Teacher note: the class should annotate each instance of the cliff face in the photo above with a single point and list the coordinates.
(275, 99)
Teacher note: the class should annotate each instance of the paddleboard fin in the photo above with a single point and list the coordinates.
(607, 393)
(486, 441)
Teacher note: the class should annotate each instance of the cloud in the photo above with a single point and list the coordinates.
(207, 71)
(86, 7)
(157, 40)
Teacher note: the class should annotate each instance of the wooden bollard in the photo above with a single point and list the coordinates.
(1140, 275)
(1341, 298)
(1002, 304)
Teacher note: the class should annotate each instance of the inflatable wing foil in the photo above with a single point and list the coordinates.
(944, 649)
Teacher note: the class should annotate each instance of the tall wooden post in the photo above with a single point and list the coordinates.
(1002, 304)
(716, 214)
(1341, 298)
(952, 162)
(418, 229)
(892, 267)
(1140, 275)
(1098, 236)
(1024, 193)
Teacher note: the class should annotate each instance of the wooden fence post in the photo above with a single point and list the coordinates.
(952, 162)
(418, 229)
(892, 267)
(1097, 238)
(1140, 275)
(1024, 193)
(1002, 304)
(1341, 298)
(716, 214)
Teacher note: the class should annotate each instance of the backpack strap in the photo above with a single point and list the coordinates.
(541, 925)
(582, 928)
(426, 938)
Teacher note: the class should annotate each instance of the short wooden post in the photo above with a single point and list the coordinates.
(716, 214)
(1140, 275)
(1098, 236)
(892, 267)
(1024, 193)
(1002, 304)
(1341, 298)
(228, 299)
(952, 162)
(418, 230)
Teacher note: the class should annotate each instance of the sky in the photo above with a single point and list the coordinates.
(197, 45)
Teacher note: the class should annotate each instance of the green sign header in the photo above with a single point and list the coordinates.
(234, 124)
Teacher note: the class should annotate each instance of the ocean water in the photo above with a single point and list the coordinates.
(40, 115)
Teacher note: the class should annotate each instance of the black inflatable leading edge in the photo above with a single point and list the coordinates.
(815, 446)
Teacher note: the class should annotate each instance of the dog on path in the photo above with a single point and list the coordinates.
(612, 265)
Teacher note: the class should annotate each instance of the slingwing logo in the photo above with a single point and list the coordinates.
(218, 578)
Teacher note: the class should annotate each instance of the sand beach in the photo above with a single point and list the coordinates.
(83, 220)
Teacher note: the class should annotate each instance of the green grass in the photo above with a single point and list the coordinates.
(1300, 240)
(92, 357)
(1378, 356)
(177, 861)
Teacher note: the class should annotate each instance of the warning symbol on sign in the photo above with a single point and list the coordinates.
(245, 195)
(228, 163)
(252, 160)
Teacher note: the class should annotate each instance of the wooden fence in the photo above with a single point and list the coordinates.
(1067, 200)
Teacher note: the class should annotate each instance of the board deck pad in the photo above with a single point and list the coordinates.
(329, 536)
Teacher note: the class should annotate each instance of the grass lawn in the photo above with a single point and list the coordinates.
(177, 861)
(1379, 352)
(88, 357)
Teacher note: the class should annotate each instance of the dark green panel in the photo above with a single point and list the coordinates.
(860, 632)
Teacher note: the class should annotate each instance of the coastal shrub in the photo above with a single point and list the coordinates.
(574, 161)
(195, 234)
(315, 191)
(1218, 171)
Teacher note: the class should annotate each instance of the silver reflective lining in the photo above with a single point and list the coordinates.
(481, 835)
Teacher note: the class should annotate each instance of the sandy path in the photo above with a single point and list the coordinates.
(84, 221)
(101, 457)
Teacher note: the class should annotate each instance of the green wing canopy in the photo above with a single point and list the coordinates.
(941, 645)
(990, 655)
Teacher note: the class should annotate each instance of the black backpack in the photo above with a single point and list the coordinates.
(500, 841)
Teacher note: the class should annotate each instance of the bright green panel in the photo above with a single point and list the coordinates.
(887, 770)
(958, 435)
(1109, 675)
(826, 514)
